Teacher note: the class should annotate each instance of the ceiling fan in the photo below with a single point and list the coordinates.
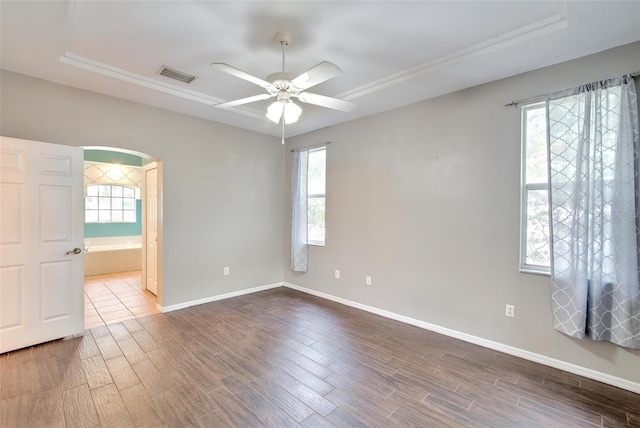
(284, 86)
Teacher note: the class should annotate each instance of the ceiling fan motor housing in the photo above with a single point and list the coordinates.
(280, 75)
(281, 82)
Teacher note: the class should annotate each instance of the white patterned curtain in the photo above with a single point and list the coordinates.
(593, 171)
(299, 244)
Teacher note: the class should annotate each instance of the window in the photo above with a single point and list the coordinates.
(534, 228)
(107, 203)
(316, 188)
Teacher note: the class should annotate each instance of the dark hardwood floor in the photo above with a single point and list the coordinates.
(281, 358)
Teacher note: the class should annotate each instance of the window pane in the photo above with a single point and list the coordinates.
(107, 203)
(536, 144)
(104, 203)
(91, 216)
(91, 203)
(537, 250)
(104, 216)
(92, 190)
(316, 172)
(104, 190)
(130, 216)
(316, 219)
(116, 216)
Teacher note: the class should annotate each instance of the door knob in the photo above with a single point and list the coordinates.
(74, 251)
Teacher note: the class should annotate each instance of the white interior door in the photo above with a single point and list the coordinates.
(151, 228)
(41, 223)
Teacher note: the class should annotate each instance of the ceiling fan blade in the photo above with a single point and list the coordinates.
(241, 101)
(315, 75)
(321, 100)
(241, 74)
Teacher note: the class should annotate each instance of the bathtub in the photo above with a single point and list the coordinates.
(112, 254)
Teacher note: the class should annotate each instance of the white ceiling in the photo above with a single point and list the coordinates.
(392, 53)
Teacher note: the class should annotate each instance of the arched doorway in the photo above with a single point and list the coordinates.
(123, 235)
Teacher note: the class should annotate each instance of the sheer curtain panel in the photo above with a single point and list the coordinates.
(593, 175)
(299, 228)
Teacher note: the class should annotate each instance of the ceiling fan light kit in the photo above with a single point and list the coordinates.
(284, 105)
(274, 112)
(291, 112)
(283, 86)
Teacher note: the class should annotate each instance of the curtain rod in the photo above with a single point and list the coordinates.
(310, 147)
(542, 97)
(525, 100)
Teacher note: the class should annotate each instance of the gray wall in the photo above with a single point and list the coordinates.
(223, 193)
(425, 199)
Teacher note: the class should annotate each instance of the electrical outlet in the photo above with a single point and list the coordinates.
(368, 280)
(510, 311)
(337, 274)
(226, 270)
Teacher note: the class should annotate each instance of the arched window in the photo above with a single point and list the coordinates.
(110, 203)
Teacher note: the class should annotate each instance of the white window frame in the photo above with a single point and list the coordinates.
(319, 195)
(111, 197)
(525, 189)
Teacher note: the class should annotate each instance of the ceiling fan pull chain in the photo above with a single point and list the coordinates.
(282, 129)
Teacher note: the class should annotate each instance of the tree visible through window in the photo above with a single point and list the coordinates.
(316, 191)
(108, 203)
(534, 251)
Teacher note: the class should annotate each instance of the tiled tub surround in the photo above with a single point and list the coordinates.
(112, 254)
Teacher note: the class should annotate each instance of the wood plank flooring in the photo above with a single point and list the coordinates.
(281, 358)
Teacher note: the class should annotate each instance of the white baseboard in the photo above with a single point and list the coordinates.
(507, 349)
(218, 297)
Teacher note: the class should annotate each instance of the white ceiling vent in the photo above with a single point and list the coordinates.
(175, 74)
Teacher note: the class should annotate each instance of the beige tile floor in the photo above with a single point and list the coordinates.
(113, 298)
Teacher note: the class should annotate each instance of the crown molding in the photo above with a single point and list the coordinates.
(502, 41)
(522, 34)
(138, 79)
(69, 58)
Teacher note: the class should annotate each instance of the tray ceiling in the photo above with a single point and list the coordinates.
(392, 53)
